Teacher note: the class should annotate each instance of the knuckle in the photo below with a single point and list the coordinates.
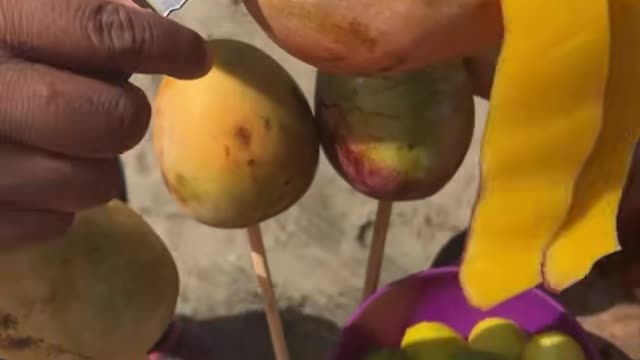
(46, 93)
(130, 115)
(113, 29)
(28, 93)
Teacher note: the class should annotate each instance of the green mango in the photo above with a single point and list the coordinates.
(397, 137)
(475, 355)
(386, 354)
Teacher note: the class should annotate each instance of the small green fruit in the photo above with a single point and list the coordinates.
(432, 341)
(386, 354)
(498, 336)
(475, 355)
(553, 345)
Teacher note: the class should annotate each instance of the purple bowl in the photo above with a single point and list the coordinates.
(435, 295)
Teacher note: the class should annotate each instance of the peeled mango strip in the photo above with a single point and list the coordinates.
(545, 117)
(589, 232)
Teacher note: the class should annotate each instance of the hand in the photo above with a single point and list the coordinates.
(482, 69)
(66, 108)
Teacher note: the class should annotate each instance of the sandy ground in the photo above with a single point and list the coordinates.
(317, 249)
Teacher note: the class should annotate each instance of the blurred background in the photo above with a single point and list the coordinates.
(318, 249)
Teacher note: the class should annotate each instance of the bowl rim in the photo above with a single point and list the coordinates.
(590, 350)
(426, 273)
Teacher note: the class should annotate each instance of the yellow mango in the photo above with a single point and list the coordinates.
(238, 145)
(106, 290)
(590, 231)
(545, 116)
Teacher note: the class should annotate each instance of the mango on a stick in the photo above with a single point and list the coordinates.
(106, 290)
(238, 145)
(367, 37)
(397, 137)
(545, 116)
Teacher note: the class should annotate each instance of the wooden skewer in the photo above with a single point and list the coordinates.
(261, 268)
(376, 252)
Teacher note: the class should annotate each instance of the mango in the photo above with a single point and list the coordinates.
(475, 355)
(238, 145)
(590, 231)
(545, 117)
(397, 137)
(366, 37)
(386, 354)
(429, 340)
(106, 290)
(553, 345)
(498, 336)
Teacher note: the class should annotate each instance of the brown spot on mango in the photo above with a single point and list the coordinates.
(243, 135)
(267, 123)
(19, 343)
(8, 322)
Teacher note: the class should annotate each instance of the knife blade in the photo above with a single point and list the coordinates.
(163, 7)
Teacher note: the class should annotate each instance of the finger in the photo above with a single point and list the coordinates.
(102, 34)
(19, 226)
(68, 113)
(31, 178)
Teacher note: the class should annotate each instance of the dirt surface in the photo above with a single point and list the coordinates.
(318, 248)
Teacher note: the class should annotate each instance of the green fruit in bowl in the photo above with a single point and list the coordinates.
(498, 336)
(475, 355)
(432, 341)
(386, 354)
(553, 345)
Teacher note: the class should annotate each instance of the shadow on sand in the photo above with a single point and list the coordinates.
(607, 350)
(246, 337)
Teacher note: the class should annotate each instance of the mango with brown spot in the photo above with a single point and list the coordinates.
(106, 290)
(367, 37)
(397, 137)
(239, 145)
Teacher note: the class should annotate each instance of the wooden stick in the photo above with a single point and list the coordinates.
(261, 268)
(376, 252)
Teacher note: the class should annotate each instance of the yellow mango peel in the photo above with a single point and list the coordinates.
(589, 232)
(545, 116)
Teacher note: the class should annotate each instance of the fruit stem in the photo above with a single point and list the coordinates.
(376, 252)
(261, 268)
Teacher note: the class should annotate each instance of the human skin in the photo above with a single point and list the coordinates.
(67, 110)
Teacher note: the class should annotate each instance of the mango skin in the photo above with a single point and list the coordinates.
(239, 145)
(367, 37)
(106, 290)
(397, 137)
